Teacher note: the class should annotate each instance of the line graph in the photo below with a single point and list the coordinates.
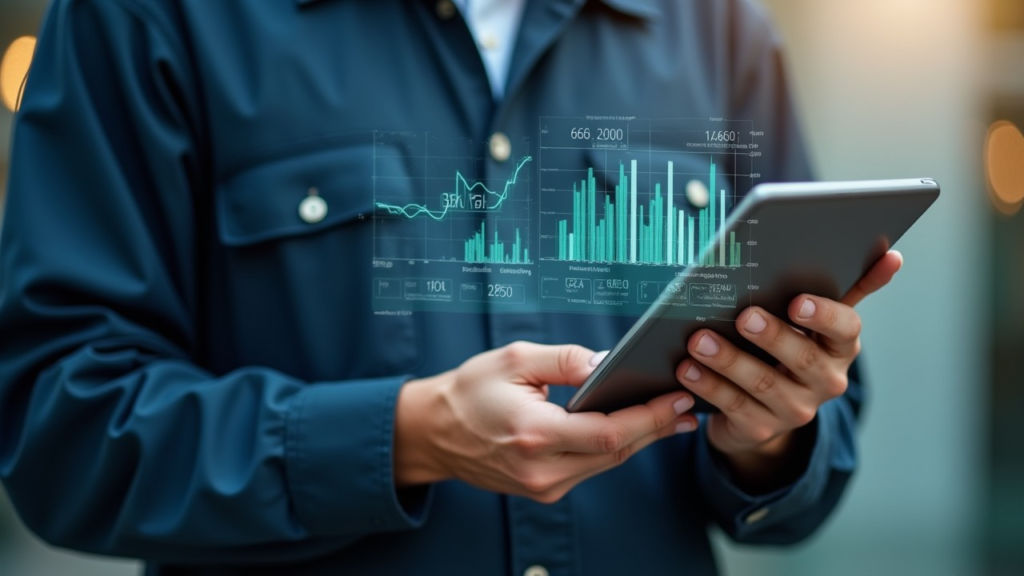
(455, 200)
(437, 199)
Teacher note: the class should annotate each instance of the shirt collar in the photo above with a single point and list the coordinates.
(644, 9)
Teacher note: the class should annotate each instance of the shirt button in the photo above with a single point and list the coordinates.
(489, 41)
(313, 208)
(536, 570)
(445, 9)
(500, 147)
(756, 516)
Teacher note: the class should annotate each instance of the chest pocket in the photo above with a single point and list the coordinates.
(295, 254)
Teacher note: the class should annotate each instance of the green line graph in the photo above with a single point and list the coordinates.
(435, 199)
(457, 200)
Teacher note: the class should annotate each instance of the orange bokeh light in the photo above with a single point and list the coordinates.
(14, 69)
(1004, 166)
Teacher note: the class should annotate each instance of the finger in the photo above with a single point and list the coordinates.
(596, 433)
(878, 276)
(837, 325)
(539, 364)
(740, 385)
(588, 465)
(803, 357)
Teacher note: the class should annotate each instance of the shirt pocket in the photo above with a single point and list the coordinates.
(296, 289)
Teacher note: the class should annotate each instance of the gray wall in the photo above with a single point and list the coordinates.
(890, 88)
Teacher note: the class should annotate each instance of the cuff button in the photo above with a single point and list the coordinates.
(756, 516)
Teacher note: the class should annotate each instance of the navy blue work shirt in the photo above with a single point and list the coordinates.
(192, 375)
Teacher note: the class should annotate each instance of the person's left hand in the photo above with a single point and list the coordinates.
(762, 405)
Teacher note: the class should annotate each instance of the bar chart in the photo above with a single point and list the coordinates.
(480, 250)
(616, 227)
(626, 204)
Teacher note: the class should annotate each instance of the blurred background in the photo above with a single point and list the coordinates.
(887, 89)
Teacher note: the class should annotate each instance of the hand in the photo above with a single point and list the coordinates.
(761, 405)
(488, 423)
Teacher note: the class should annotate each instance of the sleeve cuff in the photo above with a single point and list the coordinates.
(742, 514)
(339, 460)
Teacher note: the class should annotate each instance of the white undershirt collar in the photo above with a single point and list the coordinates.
(494, 25)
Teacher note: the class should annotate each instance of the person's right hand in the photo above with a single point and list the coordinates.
(488, 423)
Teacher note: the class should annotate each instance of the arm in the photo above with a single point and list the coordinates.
(114, 439)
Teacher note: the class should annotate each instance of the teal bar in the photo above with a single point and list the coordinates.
(592, 211)
(584, 229)
(620, 199)
(642, 236)
(561, 246)
(480, 252)
(648, 247)
(575, 222)
(562, 237)
(689, 259)
(650, 242)
(703, 237)
(663, 239)
(732, 249)
(653, 218)
(581, 230)
(615, 220)
(609, 227)
(712, 199)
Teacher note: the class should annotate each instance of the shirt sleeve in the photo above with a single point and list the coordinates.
(114, 438)
(759, 91)
(792, 513)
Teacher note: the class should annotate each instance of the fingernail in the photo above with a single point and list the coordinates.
(807, 309)
(596, 358)
(684, 427)
(682, 405)
(755, 323)
(692, 373)
(707, 346)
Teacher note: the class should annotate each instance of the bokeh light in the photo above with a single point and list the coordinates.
(14, 69)
(1004, 166)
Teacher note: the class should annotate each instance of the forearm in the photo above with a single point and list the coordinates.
(152, 457)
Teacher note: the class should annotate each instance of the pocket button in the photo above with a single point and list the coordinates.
(313, 208)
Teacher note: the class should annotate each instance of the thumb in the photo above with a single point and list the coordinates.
(540, 364)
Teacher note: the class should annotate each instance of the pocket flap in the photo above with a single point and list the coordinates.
(262, 203)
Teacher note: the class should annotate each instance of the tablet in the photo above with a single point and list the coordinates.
(781, 241)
